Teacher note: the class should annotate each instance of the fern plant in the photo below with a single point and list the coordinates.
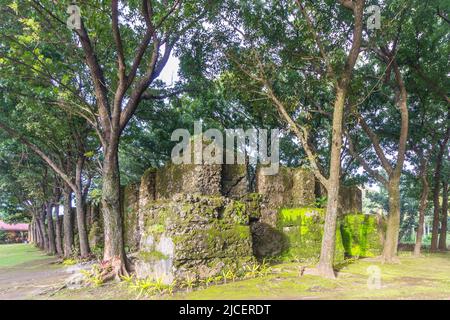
(188, 283)
(252, 270)
(93, 276)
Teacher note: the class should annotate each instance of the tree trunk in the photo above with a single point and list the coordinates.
(81, 210)
(39, 237)
(81, 223)
(111, 208)
(436, 192)
(50, 229)
(43, 213)
(443, 235)
(58, 232)
(422, 209)
(30, 232)
(34, 239)
(67, 221)
(393, 222)
(325, 266)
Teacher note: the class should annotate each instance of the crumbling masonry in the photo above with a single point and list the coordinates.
(198, 220)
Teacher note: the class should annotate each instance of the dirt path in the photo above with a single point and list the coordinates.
(31, 279)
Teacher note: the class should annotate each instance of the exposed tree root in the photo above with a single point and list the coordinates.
(390, 260)
(326, 272)
(113, 269)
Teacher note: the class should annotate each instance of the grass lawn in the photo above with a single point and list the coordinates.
(12, 255)
(427, 277)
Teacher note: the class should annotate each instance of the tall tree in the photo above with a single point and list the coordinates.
(112, 80)
(444, 219)
(272, 59)
(442, 150)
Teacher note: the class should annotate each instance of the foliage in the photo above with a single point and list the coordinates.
(69, 262)
(148, 287)
(93, 276)
(3, 236)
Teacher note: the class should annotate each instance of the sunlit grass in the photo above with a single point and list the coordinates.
(12, 255)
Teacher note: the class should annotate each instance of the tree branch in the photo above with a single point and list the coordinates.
(374, 173)
(347, 4)
(322, 51)
(39, 152)
(376, 144)
(402, 104)
(98, 79)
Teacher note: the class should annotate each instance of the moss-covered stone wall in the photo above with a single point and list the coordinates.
(298, 236)
(361, 235)
(194, 236)
(197, 220)
(95, 228)
(188, 178)
(303, 230)
(350, 198)
(291, 187)
(234, 182)
(130, 203)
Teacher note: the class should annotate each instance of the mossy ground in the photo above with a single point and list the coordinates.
(427, 277)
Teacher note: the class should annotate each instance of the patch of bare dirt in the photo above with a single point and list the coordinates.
(30, 280)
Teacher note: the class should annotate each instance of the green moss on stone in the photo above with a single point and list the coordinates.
(156, 228)
(253, 203)
(130, 198)
(153, 255)
(303, 228)
(237, 211)
(360, 235)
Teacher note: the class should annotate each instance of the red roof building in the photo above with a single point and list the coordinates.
(13, 233)
(13, 227)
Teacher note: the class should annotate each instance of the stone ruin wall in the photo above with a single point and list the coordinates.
(198, 220)
(189, 223)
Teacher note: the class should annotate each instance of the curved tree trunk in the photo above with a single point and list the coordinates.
(422, 209)
(443, 235)
(67, 222)
(393, 222)
(50, 229)
(112, 216)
